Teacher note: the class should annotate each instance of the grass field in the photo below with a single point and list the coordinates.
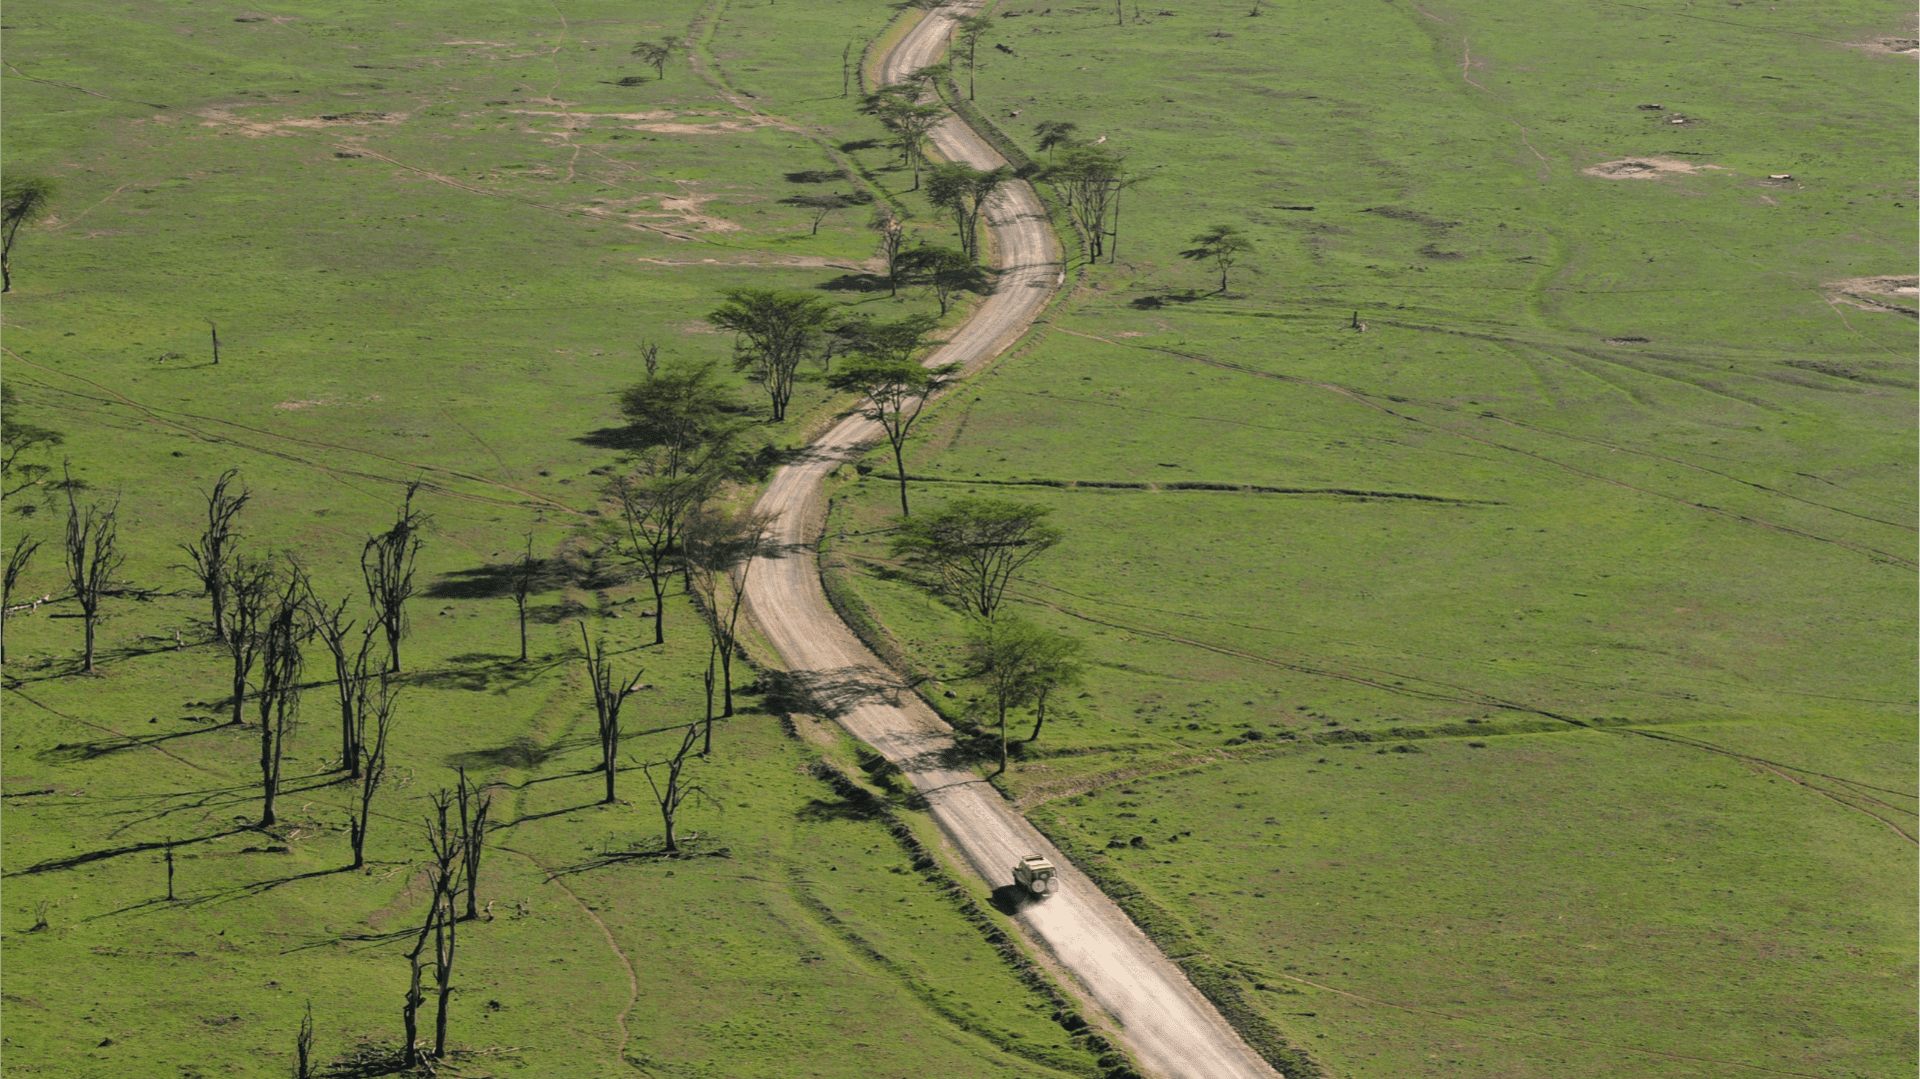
(1606, 516)
(433, 240)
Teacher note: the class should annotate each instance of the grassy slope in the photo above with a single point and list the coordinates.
(454, 303)
(1706, 534)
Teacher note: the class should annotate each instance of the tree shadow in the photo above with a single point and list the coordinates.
(75, 860)
(820, 810)
(642, 851)
(484, 671)
(859, 144)
(522, 753)
(855, 282)
(814, 176)
(836, 692)
(1154, 303)
(76, 752)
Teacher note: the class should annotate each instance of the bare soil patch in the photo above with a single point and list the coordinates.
(1641, 168)
(1894, 293)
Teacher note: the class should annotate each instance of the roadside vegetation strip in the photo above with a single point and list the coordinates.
(1195, 485)
(1171, 935)
(1114, 1064)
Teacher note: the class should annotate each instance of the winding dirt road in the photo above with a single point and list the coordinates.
(1168, 1025)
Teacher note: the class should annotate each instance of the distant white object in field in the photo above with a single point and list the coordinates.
(1099, 140)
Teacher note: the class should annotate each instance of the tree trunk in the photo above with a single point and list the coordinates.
(900, 467)
(656, 579)
(1039, 717)
(443, 976)
(410, 1013)
(90, 620)
(266, 770)
(521, 602)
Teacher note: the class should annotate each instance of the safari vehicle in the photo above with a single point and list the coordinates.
(1035, 874)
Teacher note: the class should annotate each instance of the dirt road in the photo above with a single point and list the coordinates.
(1168, 1025)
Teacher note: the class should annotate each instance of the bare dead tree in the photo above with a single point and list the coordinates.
(386, 563)
(303, 1046)
(350, 671)
(650, 355)
(281, 664)
(608, 696)
(373, 717)
(444, 844)
(525, 573)
(213, 555)
(249, 588)
(474, 808)
(721, 547)
(93, 554)
(672, 788)
(653, 507)
(17, 561)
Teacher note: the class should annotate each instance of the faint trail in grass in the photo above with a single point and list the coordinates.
(98, 727)
(633, 980)
(1698, 468)
(1543, 1033)
(70, 86)
(1467, 695)
(158, 415)
(1367, 400)
(57, 226)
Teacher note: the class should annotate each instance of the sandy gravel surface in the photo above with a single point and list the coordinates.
(1168, 1025)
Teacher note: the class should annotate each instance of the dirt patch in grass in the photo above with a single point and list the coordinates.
(1641, 168)
(1894, 293)
(1893, 46)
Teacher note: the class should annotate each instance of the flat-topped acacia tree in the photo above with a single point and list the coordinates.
(777, 330)
(972, 547)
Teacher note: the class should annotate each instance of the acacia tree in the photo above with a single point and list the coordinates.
(1221, 245)
(655, 53)
(17, 561)
(373, 716)
(23, 200)
(1021, 663)
(947, 273)
(776, 330)
(214, 552)
(281, 664)
(972, 547)
(893, 238)
(718, 544)
(896, 390)
(819, 206)
(608, 696)
(386, 564)
(18, 437)
(1090, 179)
(93, 554)
(898, 109)
(963, 191)
(688, 426)
(971, 28)
(672, 788)
(1052, 133)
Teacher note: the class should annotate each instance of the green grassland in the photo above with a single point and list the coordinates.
(434, 238)
(1606, 517)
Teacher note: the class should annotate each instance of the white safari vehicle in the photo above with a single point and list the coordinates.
(1035, 874)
